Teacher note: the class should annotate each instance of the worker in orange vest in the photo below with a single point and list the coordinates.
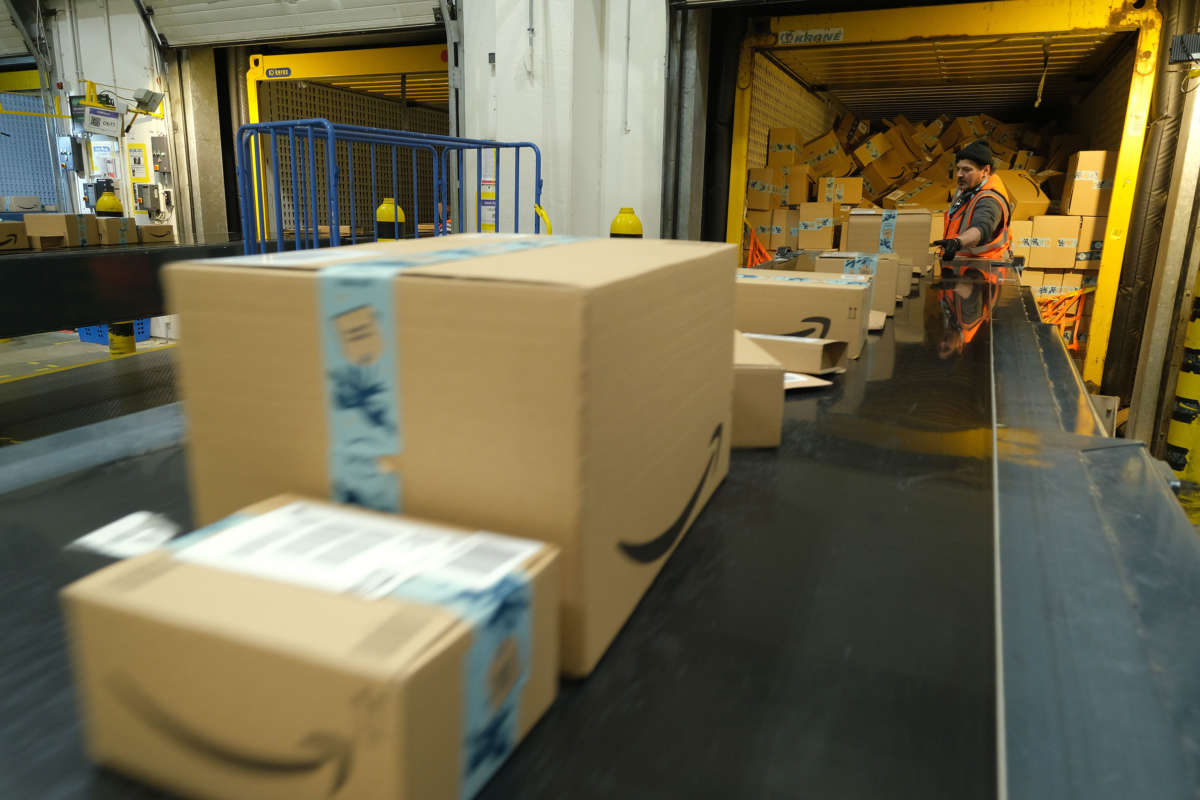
(978, 217)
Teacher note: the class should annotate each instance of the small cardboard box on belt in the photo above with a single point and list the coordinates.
(811, 226)
(783, 147)
(882, 268)
(757, 396)
(763, 188)
(903, 232)
(574, 391)
(1089, 182)
(117, 230)
(812, 306)
(841, 190)
(156, 234)
(21, 203)
(304, 649)
(12, 236)
(52, 231)
(803, 354)
(1091, 242)
(1024, 192)
(1055, 242)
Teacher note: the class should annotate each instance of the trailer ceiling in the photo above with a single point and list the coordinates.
(997, 75)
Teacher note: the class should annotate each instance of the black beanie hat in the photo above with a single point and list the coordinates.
(978, 152)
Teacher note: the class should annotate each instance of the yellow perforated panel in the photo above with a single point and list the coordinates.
(778, 101)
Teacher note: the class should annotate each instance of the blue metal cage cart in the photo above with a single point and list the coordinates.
(311, 183)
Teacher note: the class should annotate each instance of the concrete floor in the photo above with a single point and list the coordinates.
(43, 353)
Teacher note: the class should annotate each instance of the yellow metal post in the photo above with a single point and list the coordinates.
(1129, 158)
(741, 138)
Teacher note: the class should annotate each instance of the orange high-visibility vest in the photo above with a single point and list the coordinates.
(998, 248)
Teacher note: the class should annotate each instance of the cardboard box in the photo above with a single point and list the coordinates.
(903, 232)
(941, 170)
(796, 182)
(811, 226)
(757, 396)
(780, 229)
(249, 662)
(783, 147)
(21, 203)
(156, 234)
(1091, 242)
(1088, 187)
(12, 236)
(51, 231)
(801, 354)
(118, 230)
(1052, 278)
(962, 131)
(1020, 233)
(812, 306)
(1021, 159)
(760, 223)
(841, 190)
(826, 157)
(1024, 194)
(763, 188)
(561, 447)
(882, 268)
(1072, 280)
(1031, 277)
(1055, 241)
(875, 185)
(872, 149)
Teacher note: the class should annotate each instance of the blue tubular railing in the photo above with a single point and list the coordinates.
(262, 171)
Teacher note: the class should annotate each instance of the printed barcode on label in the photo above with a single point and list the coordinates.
(483, 558)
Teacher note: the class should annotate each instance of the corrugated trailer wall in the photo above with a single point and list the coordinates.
(285, 100)
(1101, 115)
(779, 101)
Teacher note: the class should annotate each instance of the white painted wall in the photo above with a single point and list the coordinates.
(596, 114)
(106, 42)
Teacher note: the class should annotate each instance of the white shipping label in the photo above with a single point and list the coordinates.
(345, 550)
(131, 535)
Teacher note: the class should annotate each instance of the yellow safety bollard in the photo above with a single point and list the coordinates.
(120, 339)
(389, 218)
(625, 225)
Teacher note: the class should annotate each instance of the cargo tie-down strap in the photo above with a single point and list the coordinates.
(363, 400)
(478, 577)
(887, 232)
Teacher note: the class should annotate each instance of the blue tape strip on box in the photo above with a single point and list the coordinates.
(887, 232)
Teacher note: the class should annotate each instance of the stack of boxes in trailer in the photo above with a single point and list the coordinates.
(856, 173)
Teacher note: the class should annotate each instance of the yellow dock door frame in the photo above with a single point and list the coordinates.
(994, 20)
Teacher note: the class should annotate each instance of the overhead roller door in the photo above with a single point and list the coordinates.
(188, 22)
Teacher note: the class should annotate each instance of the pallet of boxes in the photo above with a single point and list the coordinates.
(862, 187)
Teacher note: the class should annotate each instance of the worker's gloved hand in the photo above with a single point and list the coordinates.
(950, 248)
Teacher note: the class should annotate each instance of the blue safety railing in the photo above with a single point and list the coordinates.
(312, 183)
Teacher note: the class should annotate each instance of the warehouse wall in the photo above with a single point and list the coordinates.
(107, 43)
(1101, 115)
(777, 101)
(596, 113)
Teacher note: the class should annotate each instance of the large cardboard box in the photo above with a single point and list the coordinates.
(872, 149)
(826, 157)
(1020, 232)
(1055, 242)
(763, 187)
(118, 230)
(1091, 242)
(796, 182)
(815, 306)
(1089, 183)
(802, 354)
(760, 223)
(757, 396)
(962, 131)
(882, 268)
(51, 231)
(780, 229)
(1031, 277)
(12, 236)
(941, 170)
(496, 381)
(1024, 194)
(311, 650)
(812, 225)
(903, 232)
(783, 147)
(840, 190)
(875, 184)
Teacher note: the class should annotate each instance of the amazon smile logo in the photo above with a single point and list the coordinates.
(822, 323)
(313, 752)
(654, 549)
(9, 239)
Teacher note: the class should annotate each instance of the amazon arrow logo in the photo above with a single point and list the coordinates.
(7, 240)
(317, 749)
(654, 549)
(811, 333)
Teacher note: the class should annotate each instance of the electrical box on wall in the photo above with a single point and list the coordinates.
(159, 155)
(70, 154)
(147, 198)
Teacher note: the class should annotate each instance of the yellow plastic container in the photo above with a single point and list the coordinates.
(389, 218)
(109, 205)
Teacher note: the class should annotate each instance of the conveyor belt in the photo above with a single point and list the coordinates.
(827, 628)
